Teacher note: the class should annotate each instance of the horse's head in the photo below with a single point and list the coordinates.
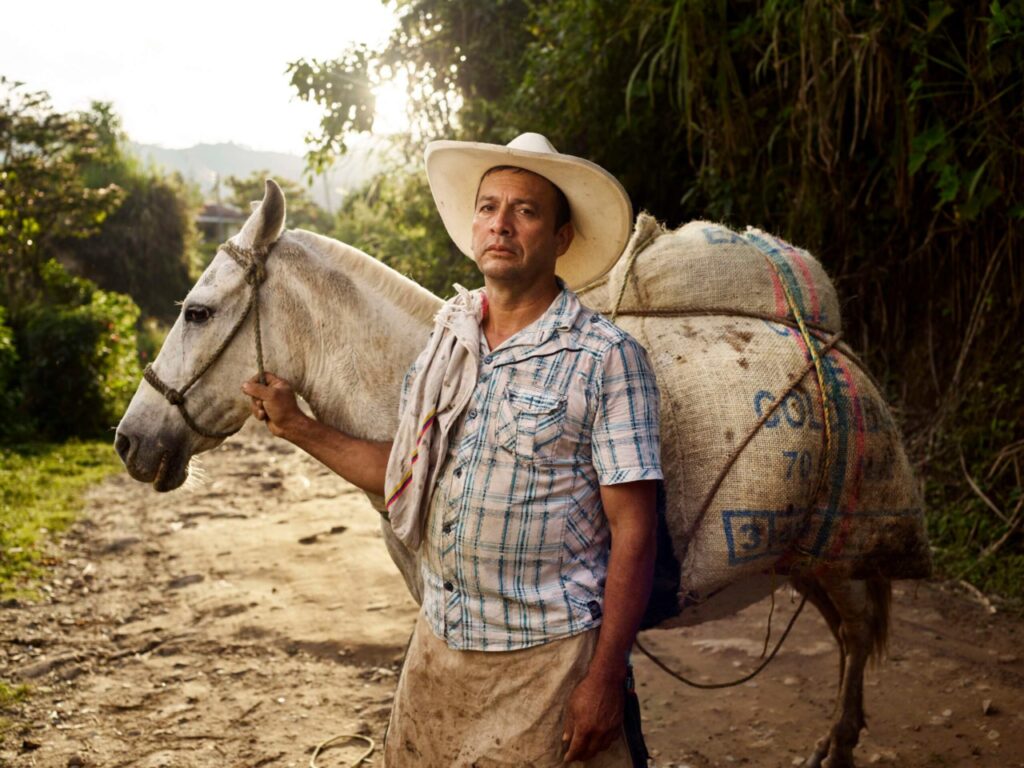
(191, 398)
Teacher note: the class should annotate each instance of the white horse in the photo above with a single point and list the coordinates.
(344, 328)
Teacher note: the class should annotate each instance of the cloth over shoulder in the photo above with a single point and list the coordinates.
(444, 380)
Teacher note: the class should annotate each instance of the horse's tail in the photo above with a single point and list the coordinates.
(880, 600)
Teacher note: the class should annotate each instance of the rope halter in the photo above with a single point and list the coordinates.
(254, 270)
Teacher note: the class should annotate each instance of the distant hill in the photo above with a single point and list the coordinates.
(204, 164)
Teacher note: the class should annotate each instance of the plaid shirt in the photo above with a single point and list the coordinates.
(516, 546)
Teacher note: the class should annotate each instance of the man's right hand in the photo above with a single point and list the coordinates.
(274, 403)
(362, 462)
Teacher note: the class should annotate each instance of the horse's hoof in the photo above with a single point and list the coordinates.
(816, 758)
(842, 761)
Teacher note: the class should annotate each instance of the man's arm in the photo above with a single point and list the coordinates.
(594, 716)
(362, 462)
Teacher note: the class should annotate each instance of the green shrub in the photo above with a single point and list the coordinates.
(12, 423)
(8, 354)
(80, 362)
(151, 336)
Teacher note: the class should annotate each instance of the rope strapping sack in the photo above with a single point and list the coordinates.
(780, 454)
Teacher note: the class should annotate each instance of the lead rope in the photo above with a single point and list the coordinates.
(714, 686)
(253, 261)
(323, 745)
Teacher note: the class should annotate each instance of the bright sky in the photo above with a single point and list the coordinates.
(184, 72)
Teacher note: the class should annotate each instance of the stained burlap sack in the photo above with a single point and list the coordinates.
(755, 482)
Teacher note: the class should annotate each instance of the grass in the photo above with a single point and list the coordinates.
(41, 487)
(12, 694)
(9, 696)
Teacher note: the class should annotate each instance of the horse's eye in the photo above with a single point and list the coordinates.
(197, 314)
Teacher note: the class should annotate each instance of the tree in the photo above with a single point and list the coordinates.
(148, 247)
(43, 196)
(144, 249)
(393, 218)
(303, 212)
(457, 57)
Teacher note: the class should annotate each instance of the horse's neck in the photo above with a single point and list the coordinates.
(367, 324)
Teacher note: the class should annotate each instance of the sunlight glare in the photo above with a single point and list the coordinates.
(392, 106)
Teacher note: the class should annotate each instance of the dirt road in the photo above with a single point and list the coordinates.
(243, 620)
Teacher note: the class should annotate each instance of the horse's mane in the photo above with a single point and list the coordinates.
(379, 277)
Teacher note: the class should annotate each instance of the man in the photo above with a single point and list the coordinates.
(528, 440)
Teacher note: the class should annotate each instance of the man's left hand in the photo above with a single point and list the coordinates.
(593, 719)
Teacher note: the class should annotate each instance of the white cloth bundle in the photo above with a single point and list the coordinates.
(444, 377)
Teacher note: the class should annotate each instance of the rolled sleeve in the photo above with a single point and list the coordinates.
(626, 443)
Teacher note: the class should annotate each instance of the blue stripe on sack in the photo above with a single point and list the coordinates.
(785, 268)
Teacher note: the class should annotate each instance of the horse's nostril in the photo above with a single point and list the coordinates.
(123, 445)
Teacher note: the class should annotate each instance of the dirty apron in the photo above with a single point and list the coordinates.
(486, 709)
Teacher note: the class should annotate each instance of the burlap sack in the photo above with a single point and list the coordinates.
(711, 307)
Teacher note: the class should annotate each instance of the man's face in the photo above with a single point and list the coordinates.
(514, 237)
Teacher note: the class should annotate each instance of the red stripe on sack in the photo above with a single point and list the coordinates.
(854, 483)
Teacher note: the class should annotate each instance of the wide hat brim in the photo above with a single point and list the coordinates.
(602, 214)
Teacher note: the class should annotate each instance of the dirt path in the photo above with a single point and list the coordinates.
(244, 620)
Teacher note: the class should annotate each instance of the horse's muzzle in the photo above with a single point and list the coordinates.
(165, 468)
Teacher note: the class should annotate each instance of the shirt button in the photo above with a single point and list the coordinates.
(446, 528)
(595, 318)
(472, 414)
(489, 359)
(458, 472)
(484, 378)
(449, 586)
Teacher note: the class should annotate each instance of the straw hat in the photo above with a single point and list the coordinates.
(601, 212)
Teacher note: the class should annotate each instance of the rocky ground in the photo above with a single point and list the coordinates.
(254, 614)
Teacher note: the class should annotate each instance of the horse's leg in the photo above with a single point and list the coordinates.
(858, 615)
(819, 598)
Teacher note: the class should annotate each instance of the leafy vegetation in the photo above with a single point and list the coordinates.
(40, 492)
(73, 202)
(81, 361)
(44, 197)
(393, 218)
(886, 138)
(10, 393)
(303, 212)
(148, 247)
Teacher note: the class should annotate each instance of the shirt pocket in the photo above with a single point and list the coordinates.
(530, 423)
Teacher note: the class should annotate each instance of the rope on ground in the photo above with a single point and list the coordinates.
(713, 686)
(323, 745)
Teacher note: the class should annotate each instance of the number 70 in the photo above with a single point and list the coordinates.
(799, 460)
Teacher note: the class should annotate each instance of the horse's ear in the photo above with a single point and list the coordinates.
(265, 224)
